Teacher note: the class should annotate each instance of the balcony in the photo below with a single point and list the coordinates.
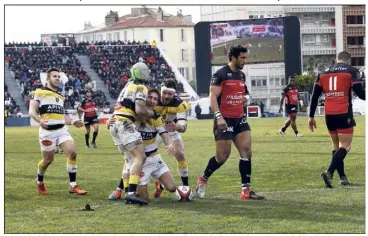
(312, 51)
(318, 29)
(301, 9)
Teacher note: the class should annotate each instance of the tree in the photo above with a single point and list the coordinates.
(305, 82)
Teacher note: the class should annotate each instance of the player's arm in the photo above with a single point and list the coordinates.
(81, 106)
(181, 123)
(282, 99)
(141, 108)
(317, 91)
(357, 85)
(160, 128)
(300, 100)
(215, 91)
(33, 110)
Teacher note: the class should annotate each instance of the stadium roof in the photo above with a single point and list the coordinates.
(150, 19)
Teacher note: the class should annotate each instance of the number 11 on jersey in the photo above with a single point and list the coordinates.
(332, 83)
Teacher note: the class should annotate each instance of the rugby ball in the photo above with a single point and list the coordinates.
(184, 193)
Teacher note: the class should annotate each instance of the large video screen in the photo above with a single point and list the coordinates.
(264, 39)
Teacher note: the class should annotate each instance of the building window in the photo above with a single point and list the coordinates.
(261, 16)
(308, 18)
(309, 39)
(93, 38)
(264, 82)
(271, 81)
(325, 17)
(357, 61)
(108, 37)
(183, 55)
(283, 81)
(259, 83)
(250, 16)
(277, 81)
(355, 20)
(182, 35)
(125, 35)
(324, 38)
(275, 101)
(161, 35)
(253, 82)
(355, 40)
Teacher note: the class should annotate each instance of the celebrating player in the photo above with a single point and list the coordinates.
(173, 110)
(336, 83)
(53, 130)
(291, 96)
(88, 106)
(131, 105)
(154, 165)
(227, 92)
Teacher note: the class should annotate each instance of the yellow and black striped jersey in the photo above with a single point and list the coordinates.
(125, 104)
(51, 106)
(149, 130)
(174, 111)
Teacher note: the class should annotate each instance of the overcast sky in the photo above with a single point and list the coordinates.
(27, 23)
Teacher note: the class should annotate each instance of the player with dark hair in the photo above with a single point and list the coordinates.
(47, 109)
(173, 110)
(88, 106)
(337, 83)
(292, 98)
(228, 92)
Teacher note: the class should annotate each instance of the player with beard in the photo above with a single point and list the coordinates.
(227, 97)
(88, 106)
(173, 110)
(47, 108)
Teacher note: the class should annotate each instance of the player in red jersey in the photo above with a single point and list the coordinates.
(292, 98)
(88, 106)
(227, 96)
(337, 83)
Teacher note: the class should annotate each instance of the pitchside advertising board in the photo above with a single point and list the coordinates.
(268, 41)
(60, 39)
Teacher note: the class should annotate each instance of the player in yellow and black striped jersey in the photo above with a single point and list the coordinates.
(47, 108)
(173, 109)
(154, 166)
(131, 104)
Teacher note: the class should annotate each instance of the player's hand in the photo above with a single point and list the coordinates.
(245, 100)
(170, 127)
(78, 123)
(280, 110)
(221, 123)
(111, 121)
(312, 124)
(43, 124)
(170, 149)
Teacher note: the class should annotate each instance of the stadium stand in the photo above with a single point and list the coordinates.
(110, 60)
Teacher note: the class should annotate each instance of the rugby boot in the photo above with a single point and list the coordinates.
(116, 195)
(158, 191)
(344, 181)
(94, 145)
(247, 194)
(134, 199)
(282, 133)
(41, 188)
(77, 190)
(326, 176)
(201, 186)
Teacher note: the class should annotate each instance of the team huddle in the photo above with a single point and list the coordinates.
(144, 119)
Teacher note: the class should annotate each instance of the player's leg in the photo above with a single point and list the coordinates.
(223, 149)
(293, 124)
(143, 192)
(345, 143)
(243, 142)
(181, 164)
(48, 144)
(286, 124)
(68, 146)
(163, 175)
(335, 145)
(87, 125)
(95, 133)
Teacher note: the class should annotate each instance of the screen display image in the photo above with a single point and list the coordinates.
(264, 39)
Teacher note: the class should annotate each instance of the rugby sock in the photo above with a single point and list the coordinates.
(41, 171)
(245, 168)
(212, 166)
(87, 139)
(337, 158)
(133, 183)
(183, 171)
(340, 167)
(333, 153)
(126, 185)
(296, 132)
(283, 129)
(71, 166)
(94, 136)
(161, 186)
(121, 185)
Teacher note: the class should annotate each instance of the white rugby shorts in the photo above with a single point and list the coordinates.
(49, 139)
(125, 135)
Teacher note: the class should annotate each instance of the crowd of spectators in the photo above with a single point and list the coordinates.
(11, 107)
(110, 60)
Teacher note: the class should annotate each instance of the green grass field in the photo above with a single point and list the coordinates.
(265, 53)
(285, 170)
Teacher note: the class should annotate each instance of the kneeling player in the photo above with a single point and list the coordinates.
(154, 166)
(336, 83)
